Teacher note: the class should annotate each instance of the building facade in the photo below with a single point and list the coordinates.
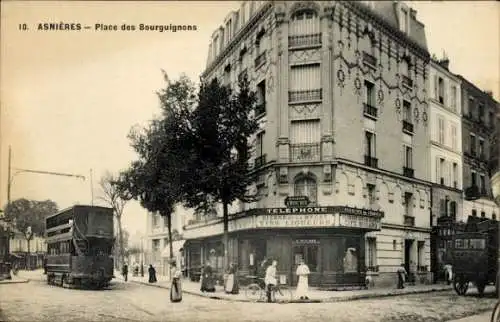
(342, 101)
(479, 111)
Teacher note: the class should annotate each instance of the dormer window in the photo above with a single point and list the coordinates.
(403, 20)
(228, 31)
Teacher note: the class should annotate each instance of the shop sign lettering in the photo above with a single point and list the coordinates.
(306, 241)
(279, 221)
(359, 222)
(299, 210)
(359, 212)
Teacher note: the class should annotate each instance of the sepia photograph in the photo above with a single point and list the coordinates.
(249, 161)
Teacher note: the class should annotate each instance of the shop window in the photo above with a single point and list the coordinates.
(351, 256)
(371, 243)
(306, 186)
(309, 253)
(421, 253)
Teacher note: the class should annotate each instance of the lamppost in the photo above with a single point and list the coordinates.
(28, 234)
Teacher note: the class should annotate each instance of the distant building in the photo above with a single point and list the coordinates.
(479, 111)
(36, 251)
(344, 121)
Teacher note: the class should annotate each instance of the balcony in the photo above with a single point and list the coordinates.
(305, 152)
(369, 60)
(371, 161)
(260, 109)
(484, 192)
(409, 221)
(311, 40)
(408, 172)
(305, 96)
(407, 127)
(407, 81)
(260, 60)
(369, 110)
(472, 193)
(260, 161)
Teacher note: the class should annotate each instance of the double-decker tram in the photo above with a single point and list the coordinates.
(79, 247)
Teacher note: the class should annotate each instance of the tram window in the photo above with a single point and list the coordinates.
(477, 243)
(459, 243)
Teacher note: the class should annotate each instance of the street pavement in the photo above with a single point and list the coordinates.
(125, 301)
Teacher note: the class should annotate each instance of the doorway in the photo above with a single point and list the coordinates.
(309, 252)
(408, 246)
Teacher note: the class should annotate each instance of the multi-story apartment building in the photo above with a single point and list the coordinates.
(445, 157)
(342, 89)
(479, 111)
(155, 245)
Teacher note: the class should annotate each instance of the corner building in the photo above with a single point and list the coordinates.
(344, 122)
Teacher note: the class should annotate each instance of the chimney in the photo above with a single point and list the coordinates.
(445, 62)
(489, 93)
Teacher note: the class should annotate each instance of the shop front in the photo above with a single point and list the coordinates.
(329, 239)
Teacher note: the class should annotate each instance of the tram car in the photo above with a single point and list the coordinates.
(475, 255)
(79, 247)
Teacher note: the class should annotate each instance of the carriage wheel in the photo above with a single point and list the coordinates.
(461, 286)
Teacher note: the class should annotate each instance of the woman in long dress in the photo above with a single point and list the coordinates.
(152, 274)
(303, 283)
(176, 287)
(232, 286)
(207, 282)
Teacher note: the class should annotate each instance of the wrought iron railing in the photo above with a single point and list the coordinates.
(304, 40)
(305, 152)
(369, 110)
(260, 60)
(260, 161)
(407, 81)
(409, 221)
(369, 59)
(371, 161)
(408, 172)
(407, 127)
(304, 96)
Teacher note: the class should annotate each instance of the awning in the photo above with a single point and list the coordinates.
(177, 245)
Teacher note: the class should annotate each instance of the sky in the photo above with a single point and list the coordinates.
(68, 99)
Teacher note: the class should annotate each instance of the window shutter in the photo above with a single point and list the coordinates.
(438, 172)
(436, 88)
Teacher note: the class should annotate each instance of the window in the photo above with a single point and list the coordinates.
(156, 245)
(442, 208)
(473, 178)
(371, 194)
(453, 210)
(472, 142)
(441, 90)
(216, 46)
(481, 148)
(494, 216)
(259, 144)
(371, 243)
(403, 20)
(369, 93)
(305, 22)
(420, 254)
(228, 31)
(481, 112)
(441, 130)
(455, 175)
(474, 213)
(454, 137)
(227, 75)
(261, 98)
(408, 204)
(261, 43)
(491, 119)
(306, 186)
(453, 98)
(471, 106)
(305, 83)
(405, 68)
(370, 144)
(165, 242)
(442, 170)
(483, 214)
(407, 111)
(408, 156)
(305, 140)
(156, 220)
(482, 183)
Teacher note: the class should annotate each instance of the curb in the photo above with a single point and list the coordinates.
(326, 300)
(14, 282)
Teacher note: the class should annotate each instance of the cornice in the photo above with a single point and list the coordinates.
(236, 39)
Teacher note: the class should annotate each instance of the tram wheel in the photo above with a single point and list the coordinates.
(461, 287)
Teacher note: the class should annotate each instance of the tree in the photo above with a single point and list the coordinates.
(113, 198)
(28, 216)
(222, 125)
(156, 178)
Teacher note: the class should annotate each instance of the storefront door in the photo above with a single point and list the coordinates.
(309, 251)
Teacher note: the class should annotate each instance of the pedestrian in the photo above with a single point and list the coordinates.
(207, 282)
(413, 273)
(231, 286)
(152, 274)
(270, 280)
(303, 283)
(448, 273)
(176, 287)
(125, 272)
(401, 276)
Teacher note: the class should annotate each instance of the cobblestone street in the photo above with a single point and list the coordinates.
(36, 301)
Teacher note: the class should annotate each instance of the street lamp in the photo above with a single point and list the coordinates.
(28, 235)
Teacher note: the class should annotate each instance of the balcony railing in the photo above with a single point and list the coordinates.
(407, 81)
(369, 59)
(484, 192)
(260, 161)
(369, 110)
(304, 96)
(304, 40)
(409, 221)
(408, 172)
(305, 152)
(260, 60)
(473, 152)
(407, 127)
(260, 109)
(371, 161)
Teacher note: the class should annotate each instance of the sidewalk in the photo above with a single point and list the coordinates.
(315, 295)
(15, 279)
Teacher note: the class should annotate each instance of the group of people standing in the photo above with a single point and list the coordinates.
(208, 279)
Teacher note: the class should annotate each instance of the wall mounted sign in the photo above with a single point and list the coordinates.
(296, 201)
(295, 221)
(354, 221)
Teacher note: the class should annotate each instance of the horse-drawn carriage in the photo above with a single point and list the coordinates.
(475, 255)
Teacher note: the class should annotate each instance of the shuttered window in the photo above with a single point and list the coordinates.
(441, 130)
(305, 132)
(304, 22)
(454, 137)
(305, 77)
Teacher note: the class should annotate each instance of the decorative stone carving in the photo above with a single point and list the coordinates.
(350, 189)
(390, 197)
(341, 77)
(327, 173)
(302, 111)
(305, 56)
(283, 175)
